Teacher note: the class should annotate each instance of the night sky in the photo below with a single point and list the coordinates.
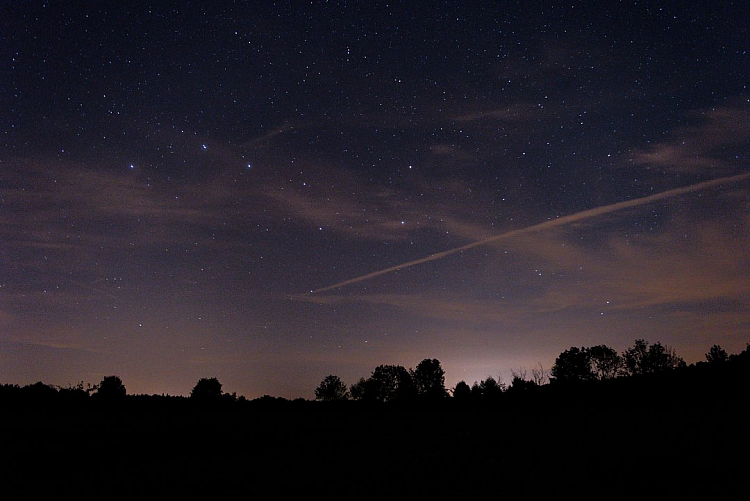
(485, 183)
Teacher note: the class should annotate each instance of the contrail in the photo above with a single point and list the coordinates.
(578, 216)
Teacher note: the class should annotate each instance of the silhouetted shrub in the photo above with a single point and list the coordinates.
(331, 389)
(206, 390)
(520, 384)
(111, 389)
(39, 393)
(487, 389)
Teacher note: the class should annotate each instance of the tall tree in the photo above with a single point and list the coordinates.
(635, 358)
(429, 378)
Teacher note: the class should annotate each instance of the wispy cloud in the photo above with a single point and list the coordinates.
(573, 218)
(691, 272)
(702, 148)
(77, 206)
(351, 205)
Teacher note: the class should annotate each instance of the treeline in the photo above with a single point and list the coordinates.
(111, 391)
(576, 367)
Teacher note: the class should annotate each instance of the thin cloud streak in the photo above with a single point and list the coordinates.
(578, 216)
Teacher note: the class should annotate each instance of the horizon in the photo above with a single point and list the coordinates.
(448, 387)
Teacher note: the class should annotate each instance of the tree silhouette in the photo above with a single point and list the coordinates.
(519, 383)
(462, 390)
(357, 390)
(605, 362)
(645, 359)
(717, 354)
(574, 364)
(206, 390)
(388, 383)
(111, 389)
(487, 388)
(331, 389)
(40, 392)
(429, 378)
(75, 392)
(539, 375)
(742, 357)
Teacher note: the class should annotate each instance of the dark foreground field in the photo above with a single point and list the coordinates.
(604, 441)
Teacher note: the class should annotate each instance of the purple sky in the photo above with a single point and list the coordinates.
(175, 179)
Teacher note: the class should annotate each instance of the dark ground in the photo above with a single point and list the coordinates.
(616, 440)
